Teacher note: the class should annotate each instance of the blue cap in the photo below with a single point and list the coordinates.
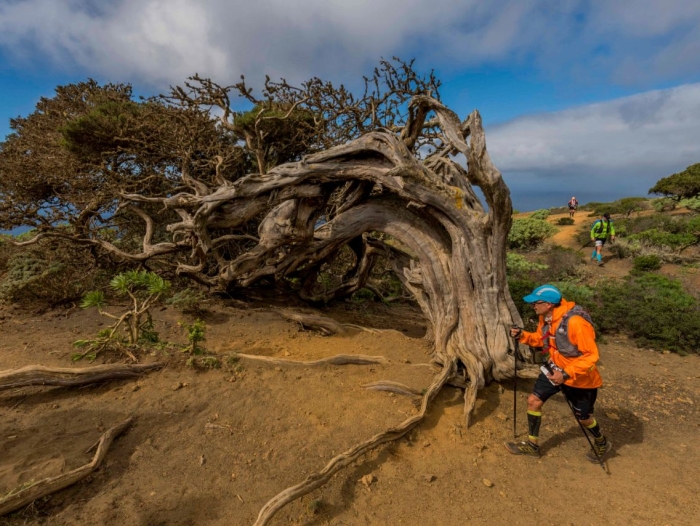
(548, 293)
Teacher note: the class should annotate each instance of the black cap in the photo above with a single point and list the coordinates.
(606, 215)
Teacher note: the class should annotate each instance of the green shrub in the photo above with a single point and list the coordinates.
(692, 203)
(663, 204)
(142, 289)
(196, 333)
(528, 232)
(50, 271)
(519, 288)
(653, 309)
(582, 295)
(565, 221)
(518, 265)
(647, 263)
(561, 264)
(540, 214)
(659, 238)
(624, 206)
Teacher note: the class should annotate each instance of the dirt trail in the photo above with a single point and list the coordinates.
(211, 447)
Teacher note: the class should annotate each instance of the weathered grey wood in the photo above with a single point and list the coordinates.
(63, 376)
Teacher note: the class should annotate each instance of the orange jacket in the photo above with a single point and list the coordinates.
(581, 369)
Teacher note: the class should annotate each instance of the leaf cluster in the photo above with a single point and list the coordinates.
(529, 233)
(681, 185)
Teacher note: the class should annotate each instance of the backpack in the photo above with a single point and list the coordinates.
(598, 226)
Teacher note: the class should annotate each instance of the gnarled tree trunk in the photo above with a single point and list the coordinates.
(453, 250)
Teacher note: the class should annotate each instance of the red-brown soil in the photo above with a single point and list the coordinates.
(212, 447)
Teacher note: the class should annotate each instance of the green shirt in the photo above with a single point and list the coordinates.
(602, 229)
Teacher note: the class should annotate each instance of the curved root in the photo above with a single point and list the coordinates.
(62, 376)
(339, 359)
(325, 325)
(393, 387)
(317, 480)
(15, 500)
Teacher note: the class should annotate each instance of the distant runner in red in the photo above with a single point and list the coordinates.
(573, 205)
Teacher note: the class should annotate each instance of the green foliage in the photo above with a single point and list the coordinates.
(529, 233)
(196, 333)
(647, 263)
(140, 283)
(664, 204)
(682, 185)
(144, 289)
(203, 362)
(187, 300)
(50, 272)
(653, 309)
(659, 238)
(94, 298)
(565, 221)
(518, 265)
(540, 214)
(692, 203)
(624, 206)
(106, 127)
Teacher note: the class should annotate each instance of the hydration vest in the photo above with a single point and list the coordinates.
(561, 337)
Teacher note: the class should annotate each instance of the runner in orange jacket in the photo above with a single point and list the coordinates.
(565, 333)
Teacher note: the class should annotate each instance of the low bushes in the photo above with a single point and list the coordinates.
(529, 232)
(652, 309)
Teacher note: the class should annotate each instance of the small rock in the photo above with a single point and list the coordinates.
(202, 460)
(55, 406)
(429, 478)
(501, 494)
(502, 417)
(501, 389)
(177, 386)
(487, 483)
(135, 388)
(426, 444)
(665, 352)
(367, 480)
(278, 369)
(287, 353)
(612, 416)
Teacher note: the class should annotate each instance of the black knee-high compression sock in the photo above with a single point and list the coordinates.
(594, 428)
(534, 419)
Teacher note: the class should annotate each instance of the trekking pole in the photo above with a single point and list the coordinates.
(584, 246)
(516, 352)
(583, 430)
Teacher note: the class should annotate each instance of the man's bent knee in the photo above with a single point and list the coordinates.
(534, 403)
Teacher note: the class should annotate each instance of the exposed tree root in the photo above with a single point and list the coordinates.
(339, 359)
(325, 325)
(361, 328)
(317, 480)
(393, 387)
(60, 376)
(23, 496)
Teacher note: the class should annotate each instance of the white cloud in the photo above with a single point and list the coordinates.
(652, 130)
(600, 151)
(157, 41)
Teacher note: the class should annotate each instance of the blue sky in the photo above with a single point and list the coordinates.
(597, 99)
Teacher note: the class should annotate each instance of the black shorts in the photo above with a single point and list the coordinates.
(582, 400)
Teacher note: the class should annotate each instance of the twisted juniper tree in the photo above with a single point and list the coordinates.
(305, 176)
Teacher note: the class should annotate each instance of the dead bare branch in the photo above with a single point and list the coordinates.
(22, 496)
(65, 377)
